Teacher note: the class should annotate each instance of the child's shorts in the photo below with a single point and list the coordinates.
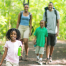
(39, 50)
(11, 64)
(24, 31)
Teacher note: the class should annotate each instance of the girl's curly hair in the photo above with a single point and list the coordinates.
(10, 30)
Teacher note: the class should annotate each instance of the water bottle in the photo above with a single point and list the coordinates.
(19, 51)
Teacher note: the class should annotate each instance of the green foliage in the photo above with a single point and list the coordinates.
(1, 50)
(9, 10)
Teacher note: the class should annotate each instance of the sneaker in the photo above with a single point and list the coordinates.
(50, 59)
(40, 63)
(37, 61)
(26, 57)
(47, 61)
(20, 57)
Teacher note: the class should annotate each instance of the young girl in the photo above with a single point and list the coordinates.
(11, 48)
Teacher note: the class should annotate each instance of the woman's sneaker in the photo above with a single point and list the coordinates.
(26, 57)
(50, 59)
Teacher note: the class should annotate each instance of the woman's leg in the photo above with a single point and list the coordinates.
(26, 45)
(22, 45)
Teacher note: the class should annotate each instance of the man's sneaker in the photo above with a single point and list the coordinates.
(47, 61)
(40, 63)
(37, 60)
(50, 59)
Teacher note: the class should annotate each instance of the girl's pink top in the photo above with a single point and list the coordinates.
(12, 53)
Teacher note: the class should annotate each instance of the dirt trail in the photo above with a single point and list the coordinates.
(59, 56)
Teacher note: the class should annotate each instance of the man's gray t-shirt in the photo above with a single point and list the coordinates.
(51, 21)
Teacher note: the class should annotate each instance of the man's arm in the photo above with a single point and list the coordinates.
(57, 27)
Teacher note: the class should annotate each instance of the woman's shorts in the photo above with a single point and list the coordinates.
(39, 50)
(24, 31)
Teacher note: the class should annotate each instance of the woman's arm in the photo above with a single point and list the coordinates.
(30, 24)
(4, 55)
(35, 40)
(18, 21)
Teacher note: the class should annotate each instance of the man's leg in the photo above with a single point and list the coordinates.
(48, 48)
(51, 50)
(53, 42)
(47, 51)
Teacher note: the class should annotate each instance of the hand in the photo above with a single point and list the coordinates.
(0, 64)
(34, 42)
(57, 34)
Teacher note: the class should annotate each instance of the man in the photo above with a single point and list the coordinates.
(53, 30)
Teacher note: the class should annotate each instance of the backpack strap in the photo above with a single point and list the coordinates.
(21, 14)
(55, 11)
(46, 18)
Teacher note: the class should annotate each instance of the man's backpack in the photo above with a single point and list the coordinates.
(55, 11)
(32, 29)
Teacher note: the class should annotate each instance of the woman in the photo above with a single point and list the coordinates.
(23, 26)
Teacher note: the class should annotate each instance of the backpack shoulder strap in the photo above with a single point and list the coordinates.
(21, 14)
(55, 11)
(29, 14)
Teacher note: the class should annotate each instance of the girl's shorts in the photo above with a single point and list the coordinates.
(24, 31)
(39, 50)
(11, 64)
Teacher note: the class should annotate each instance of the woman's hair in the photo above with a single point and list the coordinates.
(26, 4)
(11, 30)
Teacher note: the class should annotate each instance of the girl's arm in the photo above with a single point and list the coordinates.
(30, 24)
(18, 21)
(4, 55)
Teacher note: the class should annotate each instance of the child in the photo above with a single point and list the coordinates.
(40, 36)
(11, 48)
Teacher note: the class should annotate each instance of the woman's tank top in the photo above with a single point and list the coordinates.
(25, 20)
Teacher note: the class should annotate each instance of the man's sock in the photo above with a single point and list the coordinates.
(37, 57)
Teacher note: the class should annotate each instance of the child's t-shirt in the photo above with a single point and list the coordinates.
(12, 53)
(40, 34)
